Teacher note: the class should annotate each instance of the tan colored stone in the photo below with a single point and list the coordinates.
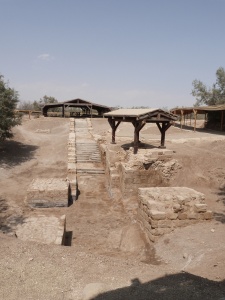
(182, 216)
(208, 215)
(200, 207)
(171, 216)
(157, 215)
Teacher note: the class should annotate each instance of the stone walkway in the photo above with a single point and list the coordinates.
(88, 156)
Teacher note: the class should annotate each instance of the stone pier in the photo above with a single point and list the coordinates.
(162, 209)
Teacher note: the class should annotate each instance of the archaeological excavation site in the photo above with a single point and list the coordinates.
(119, 205)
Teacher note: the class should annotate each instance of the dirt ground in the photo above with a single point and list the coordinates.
(109, 257)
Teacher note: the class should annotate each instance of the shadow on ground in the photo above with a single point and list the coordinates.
(204, 130)
(221, 216)
(8, 221)
(140, 146)
(181, 286)
(13, 153)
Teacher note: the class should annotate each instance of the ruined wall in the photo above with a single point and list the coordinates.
(162, 209)
(48, 192)
(128, 172)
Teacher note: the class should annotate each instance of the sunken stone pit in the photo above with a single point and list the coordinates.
(162, 209)
(43, 229)
(48, 192)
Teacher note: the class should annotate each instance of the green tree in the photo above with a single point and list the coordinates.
(8, 104)
(210, 96)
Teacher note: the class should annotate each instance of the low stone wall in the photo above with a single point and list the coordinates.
(48, 192)
(162, 209)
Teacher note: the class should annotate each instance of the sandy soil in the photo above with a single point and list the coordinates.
(188, 263)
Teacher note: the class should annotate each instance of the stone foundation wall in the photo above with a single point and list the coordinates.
(162, 209)
(132, 179)
(128, 172)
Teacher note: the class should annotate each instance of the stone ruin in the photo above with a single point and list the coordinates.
(43, 229)
(48, 192)
(162, 209)
(145, 177)
(51, 192)
(127, 172)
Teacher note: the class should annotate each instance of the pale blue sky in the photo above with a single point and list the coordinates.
(112, 52)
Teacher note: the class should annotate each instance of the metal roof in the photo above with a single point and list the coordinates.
(198, 109)
(130, 112)
(147, 114)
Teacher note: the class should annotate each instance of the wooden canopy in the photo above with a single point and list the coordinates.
(86, 107)
(139, 117)
(183, 111)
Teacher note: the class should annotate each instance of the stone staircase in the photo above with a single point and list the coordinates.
(88, 157)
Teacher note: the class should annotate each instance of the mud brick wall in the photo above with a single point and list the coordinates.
(162, 209)
(48, 192)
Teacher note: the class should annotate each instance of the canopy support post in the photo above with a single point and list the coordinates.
(114, 126)
(195, 112)
(137, 128)
(181, 119)
(163, 130)
(222, 115)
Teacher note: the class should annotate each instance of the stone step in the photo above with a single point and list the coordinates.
(95, 171)
(87, 161)
(82, 157)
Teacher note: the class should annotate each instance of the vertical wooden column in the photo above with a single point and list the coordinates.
(222, 116)
(163, 130)
(195, 112)
(181, 118)
(114, 126)
(136, 140)
(63, 111)
(138, 125)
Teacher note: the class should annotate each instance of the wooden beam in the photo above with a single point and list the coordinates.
(195, 113)
(222, 117)
(138, 125)
(181, 118)
(163, 130)
(114, 126)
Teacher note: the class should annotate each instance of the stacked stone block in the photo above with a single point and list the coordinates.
(162, 209)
